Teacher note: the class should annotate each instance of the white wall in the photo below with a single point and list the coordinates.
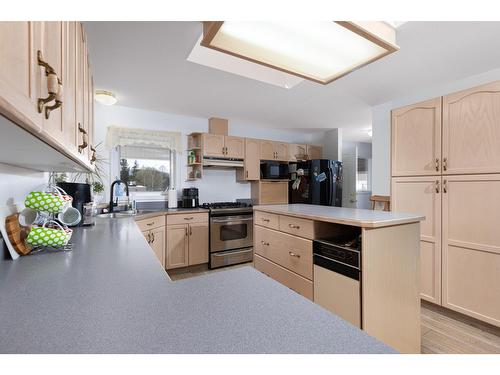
(16, 183)
(381, 118)
(216, 185)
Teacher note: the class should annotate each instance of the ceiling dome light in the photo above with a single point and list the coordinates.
(105, 97)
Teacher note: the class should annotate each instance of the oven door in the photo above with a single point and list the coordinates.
(230, 232)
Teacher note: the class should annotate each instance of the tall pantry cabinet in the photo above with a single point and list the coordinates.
(446, 166)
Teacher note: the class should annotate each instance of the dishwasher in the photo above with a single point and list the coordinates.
(337, 277)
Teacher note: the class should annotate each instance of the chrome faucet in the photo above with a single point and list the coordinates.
(112, 204)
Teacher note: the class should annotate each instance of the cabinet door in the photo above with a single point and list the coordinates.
(177, 246)
(158, 244)
(81, 58)
(471, 130)
(69, 78)
(52, 50)
(252, 159)
(213, 145)
(198, 243)
(314, 152)
(90, 113)
(235, 147)
(416, 139)
(471, 245)
(281, 151)
(267, 150)
(422, 195)
(297, 152)
(19, 73)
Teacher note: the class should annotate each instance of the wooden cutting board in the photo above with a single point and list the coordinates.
(16, 234)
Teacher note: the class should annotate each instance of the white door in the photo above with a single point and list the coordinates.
(349, 170)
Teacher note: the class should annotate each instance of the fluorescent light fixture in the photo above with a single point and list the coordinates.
(230, 64)
(317, 51)
(105, 97)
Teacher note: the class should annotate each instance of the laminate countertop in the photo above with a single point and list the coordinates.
(111, 295)
(342, 215)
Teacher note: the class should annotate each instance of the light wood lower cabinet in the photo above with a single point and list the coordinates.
(422, 195)
(187, 240)
(177, 246)
(198, 244)
(471, 245)
(156, 239)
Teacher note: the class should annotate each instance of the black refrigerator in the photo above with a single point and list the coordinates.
(316, 181)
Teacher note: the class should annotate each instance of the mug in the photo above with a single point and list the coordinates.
(29, 217)
(46, 202)
(53, 237)
(70, 216)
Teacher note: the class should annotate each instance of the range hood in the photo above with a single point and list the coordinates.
(222, 162)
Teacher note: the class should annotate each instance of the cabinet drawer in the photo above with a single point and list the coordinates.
(293, 253)
(284, 276)
(154, 222)
(296, 226)
(187, 218)
(267, 220)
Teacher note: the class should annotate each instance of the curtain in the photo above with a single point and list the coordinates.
(118, 136)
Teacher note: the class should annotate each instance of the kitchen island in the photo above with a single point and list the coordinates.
(374, 283)
(111, 295)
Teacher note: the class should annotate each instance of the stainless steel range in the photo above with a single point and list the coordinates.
(231, 233)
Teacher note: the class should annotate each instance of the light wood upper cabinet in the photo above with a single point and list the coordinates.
(251, 168)
(177, 246)
(19, 74)
(471, 130)
(281, 151)
(235, 147)
(422, 195)
(267, 150)
(297, 152)
(70, 128)
(198, 243)
(314, 152)
(416, 139)
(471, 245)
(213, 145)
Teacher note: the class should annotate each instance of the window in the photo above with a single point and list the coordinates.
(146, 169)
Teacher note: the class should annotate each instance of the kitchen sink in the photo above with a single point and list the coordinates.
(118, 215)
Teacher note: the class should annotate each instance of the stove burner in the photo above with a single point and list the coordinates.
(219, 205)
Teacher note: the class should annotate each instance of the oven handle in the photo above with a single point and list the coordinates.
(232, 220)
(226, 253)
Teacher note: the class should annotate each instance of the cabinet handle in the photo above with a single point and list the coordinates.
(93, 159)
(266, 220)
(186, 232)
(437, 165)
(293, 226)
(246, 174)
(189, 218)
(149, 238)
(445, 164)
(52, 82)
(190, 231)
(84, 138)
(149, 224)
(59, 100)
(152, 237)
(437, 186)
(264, 243)
(293, 255)
(445, 188)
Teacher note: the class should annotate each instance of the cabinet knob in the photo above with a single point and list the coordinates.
(264, 219)
(437, 165)
(437, 186)
(293, 254)
(445, 164)
(445, 188)
(264, 243)
(84, 138)
(293, 226)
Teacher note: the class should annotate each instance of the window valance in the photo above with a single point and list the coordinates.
(119, 136)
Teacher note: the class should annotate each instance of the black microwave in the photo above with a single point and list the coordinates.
(273, 171)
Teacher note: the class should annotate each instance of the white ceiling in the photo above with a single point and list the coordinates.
(145, 64)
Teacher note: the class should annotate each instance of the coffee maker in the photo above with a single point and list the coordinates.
(190, 198)
(81, 196)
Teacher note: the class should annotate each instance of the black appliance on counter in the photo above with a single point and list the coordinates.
(81, 194)
(316, 181)
(273, 170)
(190, 198)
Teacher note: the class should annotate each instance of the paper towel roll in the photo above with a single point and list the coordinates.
(172, 198)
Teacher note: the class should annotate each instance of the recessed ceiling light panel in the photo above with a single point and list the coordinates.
(318, 51)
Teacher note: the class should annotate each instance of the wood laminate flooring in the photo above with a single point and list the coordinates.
(443, 331)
